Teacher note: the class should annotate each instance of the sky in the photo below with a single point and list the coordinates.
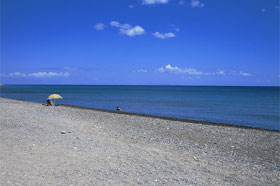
(140, 42)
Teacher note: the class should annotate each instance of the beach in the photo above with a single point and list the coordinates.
(60, 145)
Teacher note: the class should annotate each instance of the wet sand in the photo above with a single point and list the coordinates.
(63, 145)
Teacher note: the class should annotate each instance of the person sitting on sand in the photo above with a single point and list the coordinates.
(49, 103)
(118, 108)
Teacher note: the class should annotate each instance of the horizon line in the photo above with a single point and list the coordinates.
(2, 84)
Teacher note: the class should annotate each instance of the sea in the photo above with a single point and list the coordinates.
(257, 107)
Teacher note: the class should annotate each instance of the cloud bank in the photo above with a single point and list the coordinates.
(177, 70)
(39, 74)
(190, 71)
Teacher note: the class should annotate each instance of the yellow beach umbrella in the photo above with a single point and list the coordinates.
(55, 96)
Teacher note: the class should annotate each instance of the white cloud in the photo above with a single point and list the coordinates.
(131, 6)
(128, 29)
(163, 36)
(137, 30)
(245, 74)
(263, 10)
(142, 70)
(177, 70)
(99, 26)
(39, 74)
(220, 72)
(182, 3)
(197, 4)
(115, 24)
(151, 2)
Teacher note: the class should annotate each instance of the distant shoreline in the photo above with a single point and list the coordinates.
(158, 117)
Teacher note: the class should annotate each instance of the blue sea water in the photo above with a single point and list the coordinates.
(246, 106)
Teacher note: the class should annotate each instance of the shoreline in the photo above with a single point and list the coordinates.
(158, 117)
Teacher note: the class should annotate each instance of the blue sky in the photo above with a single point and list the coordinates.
(140, 42)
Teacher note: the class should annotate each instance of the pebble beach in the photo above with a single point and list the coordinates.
(60, 145)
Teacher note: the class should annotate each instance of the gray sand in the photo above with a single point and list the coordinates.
(42, 145)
